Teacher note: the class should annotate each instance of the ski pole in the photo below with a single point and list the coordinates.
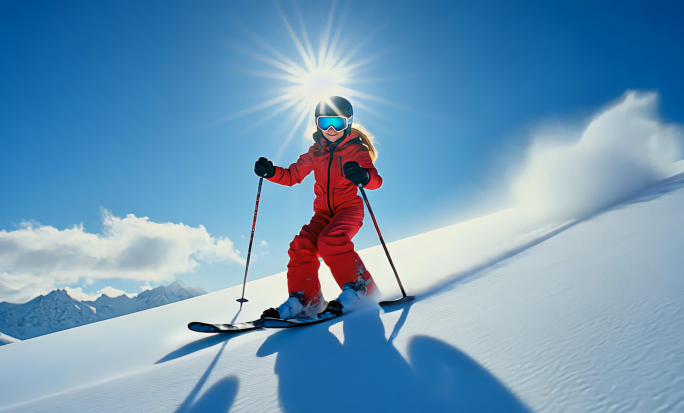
(251, 240)
(382, 241)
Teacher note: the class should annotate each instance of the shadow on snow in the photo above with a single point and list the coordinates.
(367, 373)
(201, 344)
(198, 345)
(218, 398)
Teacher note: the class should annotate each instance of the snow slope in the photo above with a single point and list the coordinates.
(586, 316)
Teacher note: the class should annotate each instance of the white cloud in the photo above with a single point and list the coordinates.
(622, 150)
(78, 294)
(34, 258)
(263, 244)
(19, 287)
(113, 292)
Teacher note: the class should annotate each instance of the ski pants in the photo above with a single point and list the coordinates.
(331, 239)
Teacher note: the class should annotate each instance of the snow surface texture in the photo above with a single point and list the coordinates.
(583, 317)
(58, 311)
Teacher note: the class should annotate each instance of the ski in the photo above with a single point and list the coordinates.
(224, 328)
(297, 322)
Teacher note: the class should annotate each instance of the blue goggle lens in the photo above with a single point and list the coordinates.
(337, 122)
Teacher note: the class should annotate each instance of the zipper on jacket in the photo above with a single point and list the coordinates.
(339, 158)
(330, 161)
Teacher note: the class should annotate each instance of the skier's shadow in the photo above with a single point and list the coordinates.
(200, 344)
(197, 345)
(367, 373)
(218, 398)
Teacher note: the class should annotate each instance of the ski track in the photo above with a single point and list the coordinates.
(586, 317)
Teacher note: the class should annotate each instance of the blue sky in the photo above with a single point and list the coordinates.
(119, 105)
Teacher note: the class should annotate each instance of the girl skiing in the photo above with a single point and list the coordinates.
(341, 159)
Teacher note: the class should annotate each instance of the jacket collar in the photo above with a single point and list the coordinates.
(327, 145)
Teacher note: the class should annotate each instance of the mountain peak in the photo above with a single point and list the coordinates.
(58, 295)
(177, 284)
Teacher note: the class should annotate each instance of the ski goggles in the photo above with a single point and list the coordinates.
(339, 123)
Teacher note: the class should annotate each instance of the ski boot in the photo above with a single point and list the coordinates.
(295, 307)
(353, 295)
(270, 313)
(334, 308)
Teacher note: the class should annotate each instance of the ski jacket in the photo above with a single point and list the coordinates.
(333, 191)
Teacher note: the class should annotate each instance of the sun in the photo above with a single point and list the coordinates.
(312, 76)
(319, 84)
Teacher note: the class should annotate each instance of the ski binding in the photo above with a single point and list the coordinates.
(296, 322)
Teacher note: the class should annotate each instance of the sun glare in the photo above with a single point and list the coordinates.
(320, 74)
(320, 84)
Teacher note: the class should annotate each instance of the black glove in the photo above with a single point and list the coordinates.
(355, 173)
(271, 313)
(264, 167)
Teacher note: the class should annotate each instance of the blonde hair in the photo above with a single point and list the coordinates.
(367, 139)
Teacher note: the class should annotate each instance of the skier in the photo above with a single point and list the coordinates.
(341, 158)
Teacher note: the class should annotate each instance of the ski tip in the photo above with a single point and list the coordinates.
(202, 327)
(397, 301)
(224, 328)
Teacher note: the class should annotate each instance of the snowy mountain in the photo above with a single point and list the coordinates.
(45, 314)
(166, 294)
(58, 311)
(108, 307)
(585, 315)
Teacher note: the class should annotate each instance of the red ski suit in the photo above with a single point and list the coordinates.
(338, 215)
